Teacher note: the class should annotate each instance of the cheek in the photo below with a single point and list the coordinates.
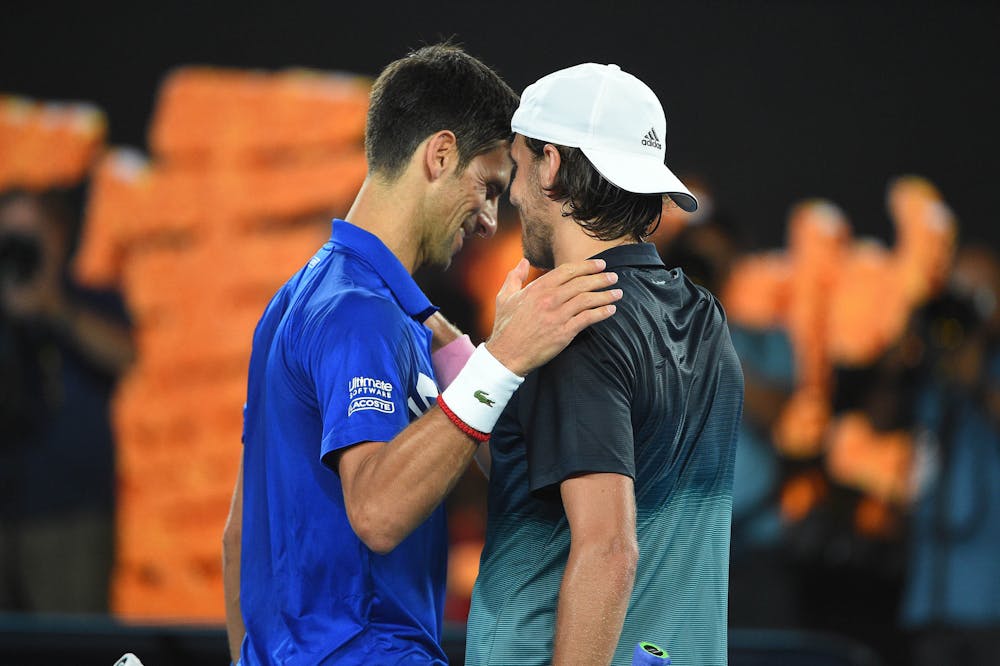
(515, 191)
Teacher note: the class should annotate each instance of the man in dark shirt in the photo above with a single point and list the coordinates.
(611, 484)
(62, 349)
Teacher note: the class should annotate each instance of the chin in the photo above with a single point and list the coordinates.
(541, 259)
(442, 261)
(541, 264)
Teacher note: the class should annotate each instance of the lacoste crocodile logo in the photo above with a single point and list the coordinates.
(483, 398)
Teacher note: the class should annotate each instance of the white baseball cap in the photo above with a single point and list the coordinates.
(613, 117)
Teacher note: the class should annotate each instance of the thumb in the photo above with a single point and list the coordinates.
(515, 280)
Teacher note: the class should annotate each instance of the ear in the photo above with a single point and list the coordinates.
(549, 166)
(440, 154)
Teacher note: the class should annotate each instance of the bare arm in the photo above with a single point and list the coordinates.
(449, 355)
(444, 332)
(231, 546)
(105, 341)
(391, 487)
(600, 572)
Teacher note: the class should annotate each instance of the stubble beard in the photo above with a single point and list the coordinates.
(536, 242)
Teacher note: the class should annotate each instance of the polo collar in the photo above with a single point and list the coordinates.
(373, 251)
(631, 254)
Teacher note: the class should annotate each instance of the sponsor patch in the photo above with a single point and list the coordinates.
(370, 393)
(361, 404)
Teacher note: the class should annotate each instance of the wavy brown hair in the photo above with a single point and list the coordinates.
(604, 210)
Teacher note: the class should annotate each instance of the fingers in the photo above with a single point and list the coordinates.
(535, 322)
(591, 300)
(567, 280)
(514, 281)
(589, 317)
(522, 270)
(590, 308)
(566, 272)
(583, 284)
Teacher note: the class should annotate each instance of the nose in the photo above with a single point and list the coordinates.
(486, 221)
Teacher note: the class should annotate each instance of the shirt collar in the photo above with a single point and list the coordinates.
(631, 254)
(373, 251)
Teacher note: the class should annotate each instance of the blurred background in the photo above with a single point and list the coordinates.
(163, 169)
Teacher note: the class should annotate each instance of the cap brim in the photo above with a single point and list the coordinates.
(641, 176)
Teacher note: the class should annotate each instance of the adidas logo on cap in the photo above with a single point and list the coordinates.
(651, 139)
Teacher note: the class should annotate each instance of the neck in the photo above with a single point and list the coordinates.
(571, 243)
(389, 211)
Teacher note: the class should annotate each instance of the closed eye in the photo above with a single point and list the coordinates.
(495, 189)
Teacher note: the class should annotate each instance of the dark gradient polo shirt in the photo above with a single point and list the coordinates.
(654, 393)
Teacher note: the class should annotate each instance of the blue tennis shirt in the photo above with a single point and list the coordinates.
(339, 357)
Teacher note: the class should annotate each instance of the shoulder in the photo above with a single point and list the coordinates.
(354, 312)
(602, 355)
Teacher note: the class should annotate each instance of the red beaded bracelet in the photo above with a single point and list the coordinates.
(462, 425)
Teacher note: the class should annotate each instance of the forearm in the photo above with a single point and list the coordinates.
(449, 359)
(400, 484)
(593, 599)
(107, 344)
(231, 553)
(235, 629)
(390, 488)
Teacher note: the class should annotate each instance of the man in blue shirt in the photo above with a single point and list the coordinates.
(951, 599)
(610, 492)
(335, 549)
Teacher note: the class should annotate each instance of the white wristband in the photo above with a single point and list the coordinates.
(481, 390)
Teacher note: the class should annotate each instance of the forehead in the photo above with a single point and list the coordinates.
(518, 147)
(495, 160)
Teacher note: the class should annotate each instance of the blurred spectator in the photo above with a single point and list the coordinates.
(759, 566)
(849, 548)
(952, 597)
(761, 592)
(61, 349)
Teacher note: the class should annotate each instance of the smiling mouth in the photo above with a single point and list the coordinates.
(466, 230)
(460, 237)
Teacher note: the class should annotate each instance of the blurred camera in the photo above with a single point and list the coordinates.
(20, 258)
(948, 325)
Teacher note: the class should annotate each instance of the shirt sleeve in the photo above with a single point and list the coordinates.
(359, 358)
(579, 418)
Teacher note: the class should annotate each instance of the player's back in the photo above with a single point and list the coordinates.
(686, 413)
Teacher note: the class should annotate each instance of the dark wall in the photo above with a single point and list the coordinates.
(770, 101)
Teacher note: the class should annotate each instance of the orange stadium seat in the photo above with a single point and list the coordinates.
(45, 145)
(247, 169)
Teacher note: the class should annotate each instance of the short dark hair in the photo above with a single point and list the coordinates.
(439, 87)
(604, 210)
